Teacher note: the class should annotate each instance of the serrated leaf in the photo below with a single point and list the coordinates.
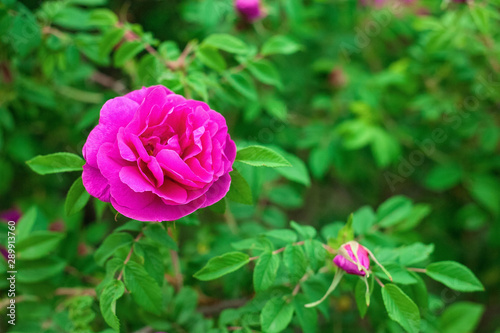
(226, 42)
(107, 303)
(127, 51)
(159, 235)
(54, 163)
(240, 190)
(261, 156)
(38, 244)
(109, 40)
(362, 220)
(143, 288)
(393, 211)
(265, 271)
(222, 265)
(280, 45)
(285, 235)
(306, 231)
(276, 315)
(295, 262)
(401, 308)
(110, 245)
(264, 71)
(76, 198)
(103, 17)
(461, 317)
(243, 83)
(454, 275)
(210, 57)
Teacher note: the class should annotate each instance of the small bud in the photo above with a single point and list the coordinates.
(353, 258)
(250, 10)
(337, 78)
(12, 214)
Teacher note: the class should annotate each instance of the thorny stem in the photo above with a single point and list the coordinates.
(129, 255)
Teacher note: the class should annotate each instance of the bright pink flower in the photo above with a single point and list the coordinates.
(250, 9)
(357, 264)
(157, 156)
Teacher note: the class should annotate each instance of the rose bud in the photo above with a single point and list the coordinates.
(156, 156)
(4, 252)
(250, 10)
(353, 258)
(12, 214)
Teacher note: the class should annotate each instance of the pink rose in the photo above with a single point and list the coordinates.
(157, 156)
(250, 10)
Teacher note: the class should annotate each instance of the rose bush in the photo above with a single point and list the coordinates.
(157, 156)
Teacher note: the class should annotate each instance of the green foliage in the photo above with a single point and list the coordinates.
(379, 111)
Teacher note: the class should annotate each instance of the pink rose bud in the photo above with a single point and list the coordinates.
(12, 214)
(353, 258)
(157, 156)
(249, 9)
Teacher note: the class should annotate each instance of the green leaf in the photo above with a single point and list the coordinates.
(306, 231)
(362, 220)
(77, 198)
(107, 303)
(265, 72)
(38, 270)
(153, 262)
(26, 223)
(227, 43)
(54, 163)
(240, 190)
(461, 317)
(284, 234)
(454, 275)
(308, 318)
(143, 288)
(415, 253)
(261, 156)
(315, 252)
(401, 308)
(276, 315)
(243, 83)
(109, 40)
(298, 172)
(280, 45)
(38, 244)
(112, 243)
(275, 107)
(443, 177)
(265, 271)
(485, 189)
(393, 211)
(210, 57)
(295, 262)
(222, 265)
(481, 17)
(127, 51)
(159, 235)
(103, 17)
